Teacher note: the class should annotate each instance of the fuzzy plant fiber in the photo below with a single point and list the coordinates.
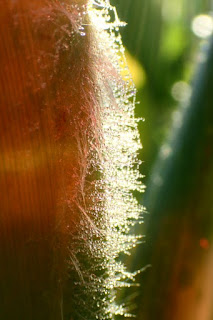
(68, 165)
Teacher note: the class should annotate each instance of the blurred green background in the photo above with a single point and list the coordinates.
(159, 37)
(170, 57)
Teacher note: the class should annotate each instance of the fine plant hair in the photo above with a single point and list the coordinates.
(68, 166)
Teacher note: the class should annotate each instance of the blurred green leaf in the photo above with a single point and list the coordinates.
(173, 43)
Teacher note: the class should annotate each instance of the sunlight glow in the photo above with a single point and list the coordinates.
(202, 25)
(181, 91)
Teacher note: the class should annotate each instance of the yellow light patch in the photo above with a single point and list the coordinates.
(136, 70)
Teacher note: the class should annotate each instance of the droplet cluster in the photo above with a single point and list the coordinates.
(113, 209)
